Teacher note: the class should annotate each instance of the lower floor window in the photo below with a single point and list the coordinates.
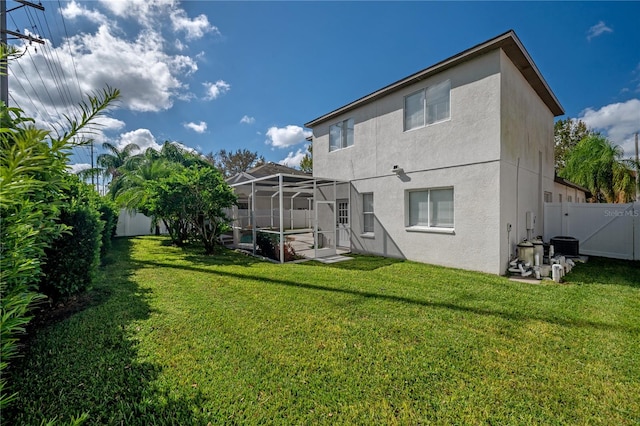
(367, 213)
(432, 208)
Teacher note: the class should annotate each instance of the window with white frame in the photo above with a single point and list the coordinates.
(427, 106)
(431, 208)
(569, 199)
(548, 197)
(341, 135)
(367, 213)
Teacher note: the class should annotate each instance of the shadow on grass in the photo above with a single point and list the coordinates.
(89, 362)
(358, 263)
(222, 257)
(600, 270)
(565, 322)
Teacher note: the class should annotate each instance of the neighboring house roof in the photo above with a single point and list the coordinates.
(508, 42)
(264, 170)
(565, 182)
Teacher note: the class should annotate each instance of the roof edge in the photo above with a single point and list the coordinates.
(566, 182)
(508, 42)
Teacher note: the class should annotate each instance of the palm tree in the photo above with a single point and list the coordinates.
(130, 188)
(115, 158)
(597, 164)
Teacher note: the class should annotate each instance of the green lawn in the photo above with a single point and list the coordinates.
(174, 337)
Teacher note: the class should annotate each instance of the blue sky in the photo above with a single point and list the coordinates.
(214, 75)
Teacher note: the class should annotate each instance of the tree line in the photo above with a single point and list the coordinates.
(591, 160)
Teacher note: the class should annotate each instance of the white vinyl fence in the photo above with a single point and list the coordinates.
(607, 230)
(131, 224)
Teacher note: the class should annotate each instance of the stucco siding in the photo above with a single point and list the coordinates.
(470, 135)
(527, 169)
(473, 245)
(495, 151)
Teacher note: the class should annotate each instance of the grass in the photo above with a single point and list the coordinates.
(175, 337)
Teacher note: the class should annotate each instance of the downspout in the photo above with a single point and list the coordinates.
(517, 201)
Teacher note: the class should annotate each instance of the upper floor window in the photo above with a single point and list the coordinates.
(427, 106)
(341, 135)
(548, 197)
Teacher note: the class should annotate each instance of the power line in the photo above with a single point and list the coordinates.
(4, 78)
(75, 69)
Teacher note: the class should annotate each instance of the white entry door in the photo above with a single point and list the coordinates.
(343, 223)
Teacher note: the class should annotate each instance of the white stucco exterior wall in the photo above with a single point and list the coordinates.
(527, 162)
(495, 151)
(462, 152)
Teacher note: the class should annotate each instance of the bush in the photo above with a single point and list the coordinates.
(109, 216)
(73, 258)
(269, 246)
(33, 166)
(31, 173)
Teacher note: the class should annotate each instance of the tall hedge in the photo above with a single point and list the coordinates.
(72, 259)
(109, 216)
(32, 187)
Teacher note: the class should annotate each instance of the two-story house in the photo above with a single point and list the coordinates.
(447, 166)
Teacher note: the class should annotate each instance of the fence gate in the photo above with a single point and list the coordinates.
(607, 230)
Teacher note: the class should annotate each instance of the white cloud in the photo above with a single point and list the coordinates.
(193, 28)
(198, 128)
(77, 168)
(214, 90)
(145, 12)
(247, 120)
(179, 45)
(282, 137)
(619, 121)
(74, 10)
(141, 137)
(597, 30)
(293, 159)
(148, 78)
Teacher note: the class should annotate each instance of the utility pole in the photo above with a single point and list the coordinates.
(4, 76)
(92, 168)
(637, 172)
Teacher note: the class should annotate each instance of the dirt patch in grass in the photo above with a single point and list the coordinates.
(50, 312)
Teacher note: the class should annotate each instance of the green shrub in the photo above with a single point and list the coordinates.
(32, 183)
(269, 246)
(109, 216)
(73, 258)
(31, 173)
